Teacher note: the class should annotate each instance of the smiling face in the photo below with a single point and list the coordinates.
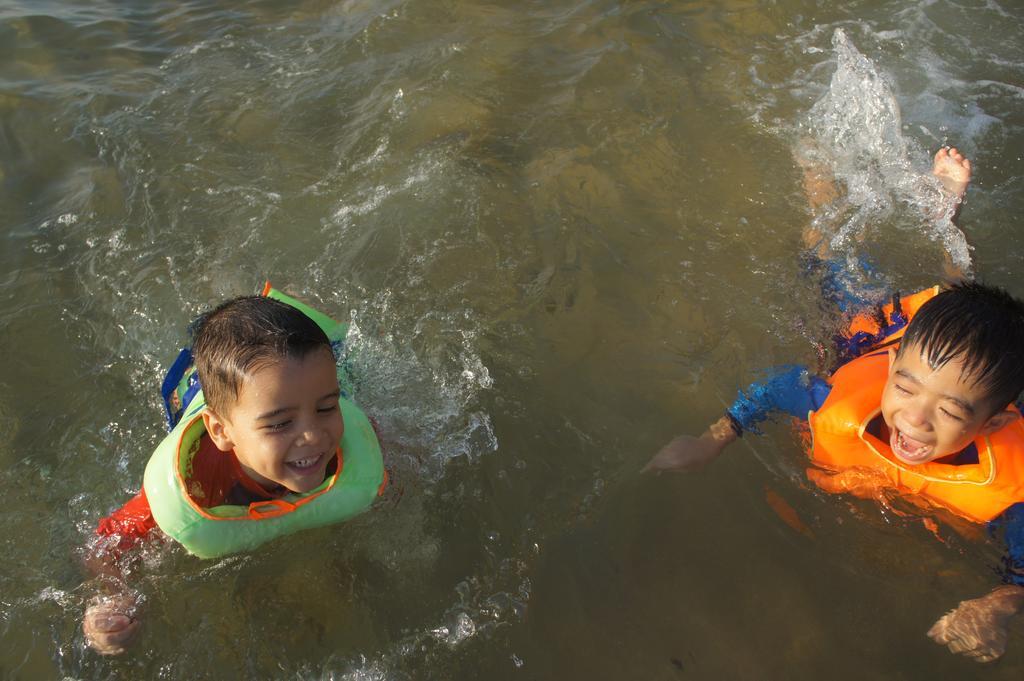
(286, 424)
(934, 412)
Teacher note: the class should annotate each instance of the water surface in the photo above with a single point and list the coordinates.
(565, 232)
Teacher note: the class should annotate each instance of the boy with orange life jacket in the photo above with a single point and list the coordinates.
(926, 409)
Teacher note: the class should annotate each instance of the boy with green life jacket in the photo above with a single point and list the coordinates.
(268, 446)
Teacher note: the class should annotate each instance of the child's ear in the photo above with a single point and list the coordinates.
(892, 355)
(218, 430)
(999, 420)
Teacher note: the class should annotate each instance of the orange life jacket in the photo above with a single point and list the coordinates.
(842, 445)
(868, 332)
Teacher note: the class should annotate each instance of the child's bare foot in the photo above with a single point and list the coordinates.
(953, 170)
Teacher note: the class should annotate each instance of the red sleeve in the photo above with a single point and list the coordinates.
(131, 522)
(214, 473)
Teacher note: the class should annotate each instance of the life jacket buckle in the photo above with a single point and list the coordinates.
(271, 508)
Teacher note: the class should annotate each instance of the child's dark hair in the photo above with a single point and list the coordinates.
(244, 334)
(981, 325)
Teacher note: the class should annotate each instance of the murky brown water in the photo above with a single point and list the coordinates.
(565, 233)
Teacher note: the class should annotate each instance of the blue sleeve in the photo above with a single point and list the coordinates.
(1012, 523)
(790, 389)
(851, 285)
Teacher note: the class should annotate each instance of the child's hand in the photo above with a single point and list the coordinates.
(977, 628)
(687, 453)
(110, 623)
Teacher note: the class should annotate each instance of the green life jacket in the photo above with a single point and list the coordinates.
(221, 530)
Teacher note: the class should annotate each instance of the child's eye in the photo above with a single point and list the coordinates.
(277, 427)
(900, 389)
(951, 415)
(328, 410)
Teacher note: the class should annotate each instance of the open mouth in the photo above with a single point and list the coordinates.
(305, 465)
(907, 448)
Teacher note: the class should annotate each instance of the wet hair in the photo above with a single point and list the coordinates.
(243, 335)
(981, 325)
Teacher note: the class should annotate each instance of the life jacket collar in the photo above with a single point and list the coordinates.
(981, 473)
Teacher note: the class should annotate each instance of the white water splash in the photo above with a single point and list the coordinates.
(856, 130)
(428, 405)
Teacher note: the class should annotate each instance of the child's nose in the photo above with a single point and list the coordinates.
(309, 436)
(916, 415)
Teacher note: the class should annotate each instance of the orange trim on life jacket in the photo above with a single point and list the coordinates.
(253, 514)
